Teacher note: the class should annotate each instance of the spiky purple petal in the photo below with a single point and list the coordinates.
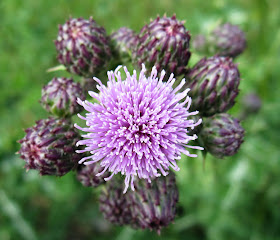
(140, 126)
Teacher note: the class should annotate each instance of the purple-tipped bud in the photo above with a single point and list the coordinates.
(123, 40)
(83, 47)
(199, 43)
(115, 206)
(154, 204)
(227, 40)
(59, 97)
(214, 85)
(50, 146)
(251, 103)
(87, 175)
(163, 43)
(222, 135)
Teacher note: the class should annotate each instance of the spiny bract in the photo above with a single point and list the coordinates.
(49, 146)
(163, 43)
(83, 47)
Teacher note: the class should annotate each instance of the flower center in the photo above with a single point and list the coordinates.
(34, 151)
(172, 30)
(76, 32)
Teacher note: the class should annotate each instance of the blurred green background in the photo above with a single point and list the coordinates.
(234, 198)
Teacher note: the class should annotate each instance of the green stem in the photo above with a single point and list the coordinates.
(12, 211)
(57, 68)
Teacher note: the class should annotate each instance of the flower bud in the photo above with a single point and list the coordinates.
(50, 147)
(59, 97)
(115, 206)
(123, 40)
(163, 43)
(199, 43)
(83, 47)
(222, 135)
(227, 40)
(86, 174)
(214, 85)
(251, 103)
(154, 204)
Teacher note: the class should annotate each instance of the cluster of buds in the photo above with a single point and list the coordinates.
(50, 145)
(213, 84)
(138, 126)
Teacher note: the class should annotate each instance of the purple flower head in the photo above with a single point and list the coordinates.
(140, 126)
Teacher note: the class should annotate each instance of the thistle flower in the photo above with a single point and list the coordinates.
(49, 147)
(59, 97)
(214, 85)
(140, 127)
(222, 135)
(83, 47)
(163, 43)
